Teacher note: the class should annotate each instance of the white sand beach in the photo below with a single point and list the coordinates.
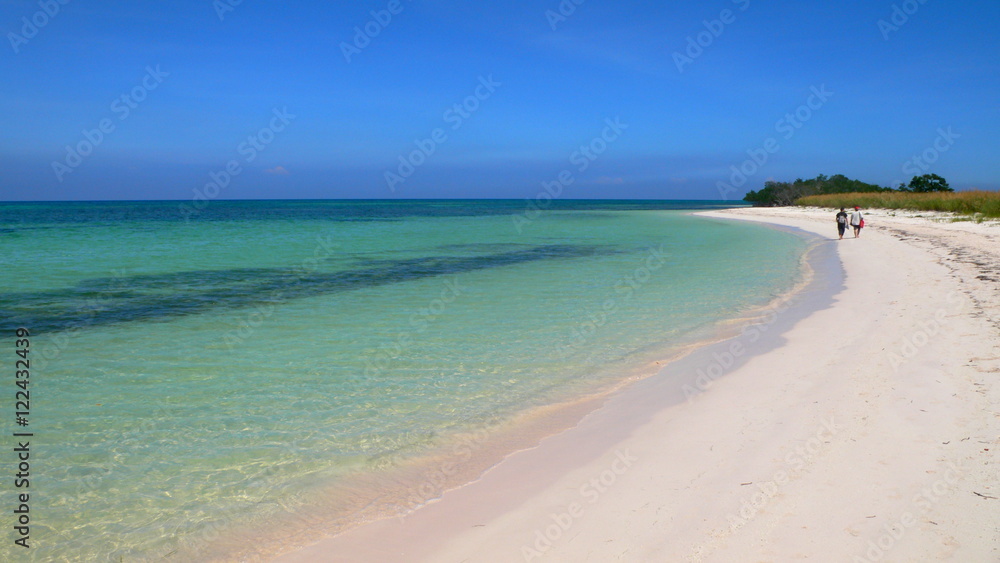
(866, 431)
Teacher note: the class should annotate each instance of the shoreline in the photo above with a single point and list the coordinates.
(697, 352)
(820, 444)
(410, 484)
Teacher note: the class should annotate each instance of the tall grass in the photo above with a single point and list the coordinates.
(970, 203)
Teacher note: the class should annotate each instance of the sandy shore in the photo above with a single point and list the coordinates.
(865, 430)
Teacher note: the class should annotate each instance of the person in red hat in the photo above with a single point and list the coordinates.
(857, 221)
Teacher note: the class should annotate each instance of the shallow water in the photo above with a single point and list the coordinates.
(189, 374)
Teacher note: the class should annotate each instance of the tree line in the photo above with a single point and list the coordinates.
(785, 193)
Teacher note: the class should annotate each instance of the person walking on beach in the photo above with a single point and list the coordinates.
(857, 221)
(841, 222)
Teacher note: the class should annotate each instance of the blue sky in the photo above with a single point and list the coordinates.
(158, 100)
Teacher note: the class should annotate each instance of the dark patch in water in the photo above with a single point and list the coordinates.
(105, 301)
(483, 246)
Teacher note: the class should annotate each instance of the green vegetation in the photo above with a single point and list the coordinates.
(925, 184)
(929, 192)
(786, 193)
(979, 204)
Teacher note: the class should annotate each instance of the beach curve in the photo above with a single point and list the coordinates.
(868, 434)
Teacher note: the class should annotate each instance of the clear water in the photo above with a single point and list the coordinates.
(190, 374)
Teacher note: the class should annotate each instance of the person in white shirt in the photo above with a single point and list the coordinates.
(857, 221)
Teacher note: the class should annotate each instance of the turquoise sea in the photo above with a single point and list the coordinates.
(198, 374)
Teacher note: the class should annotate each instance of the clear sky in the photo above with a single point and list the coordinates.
(464, 99)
